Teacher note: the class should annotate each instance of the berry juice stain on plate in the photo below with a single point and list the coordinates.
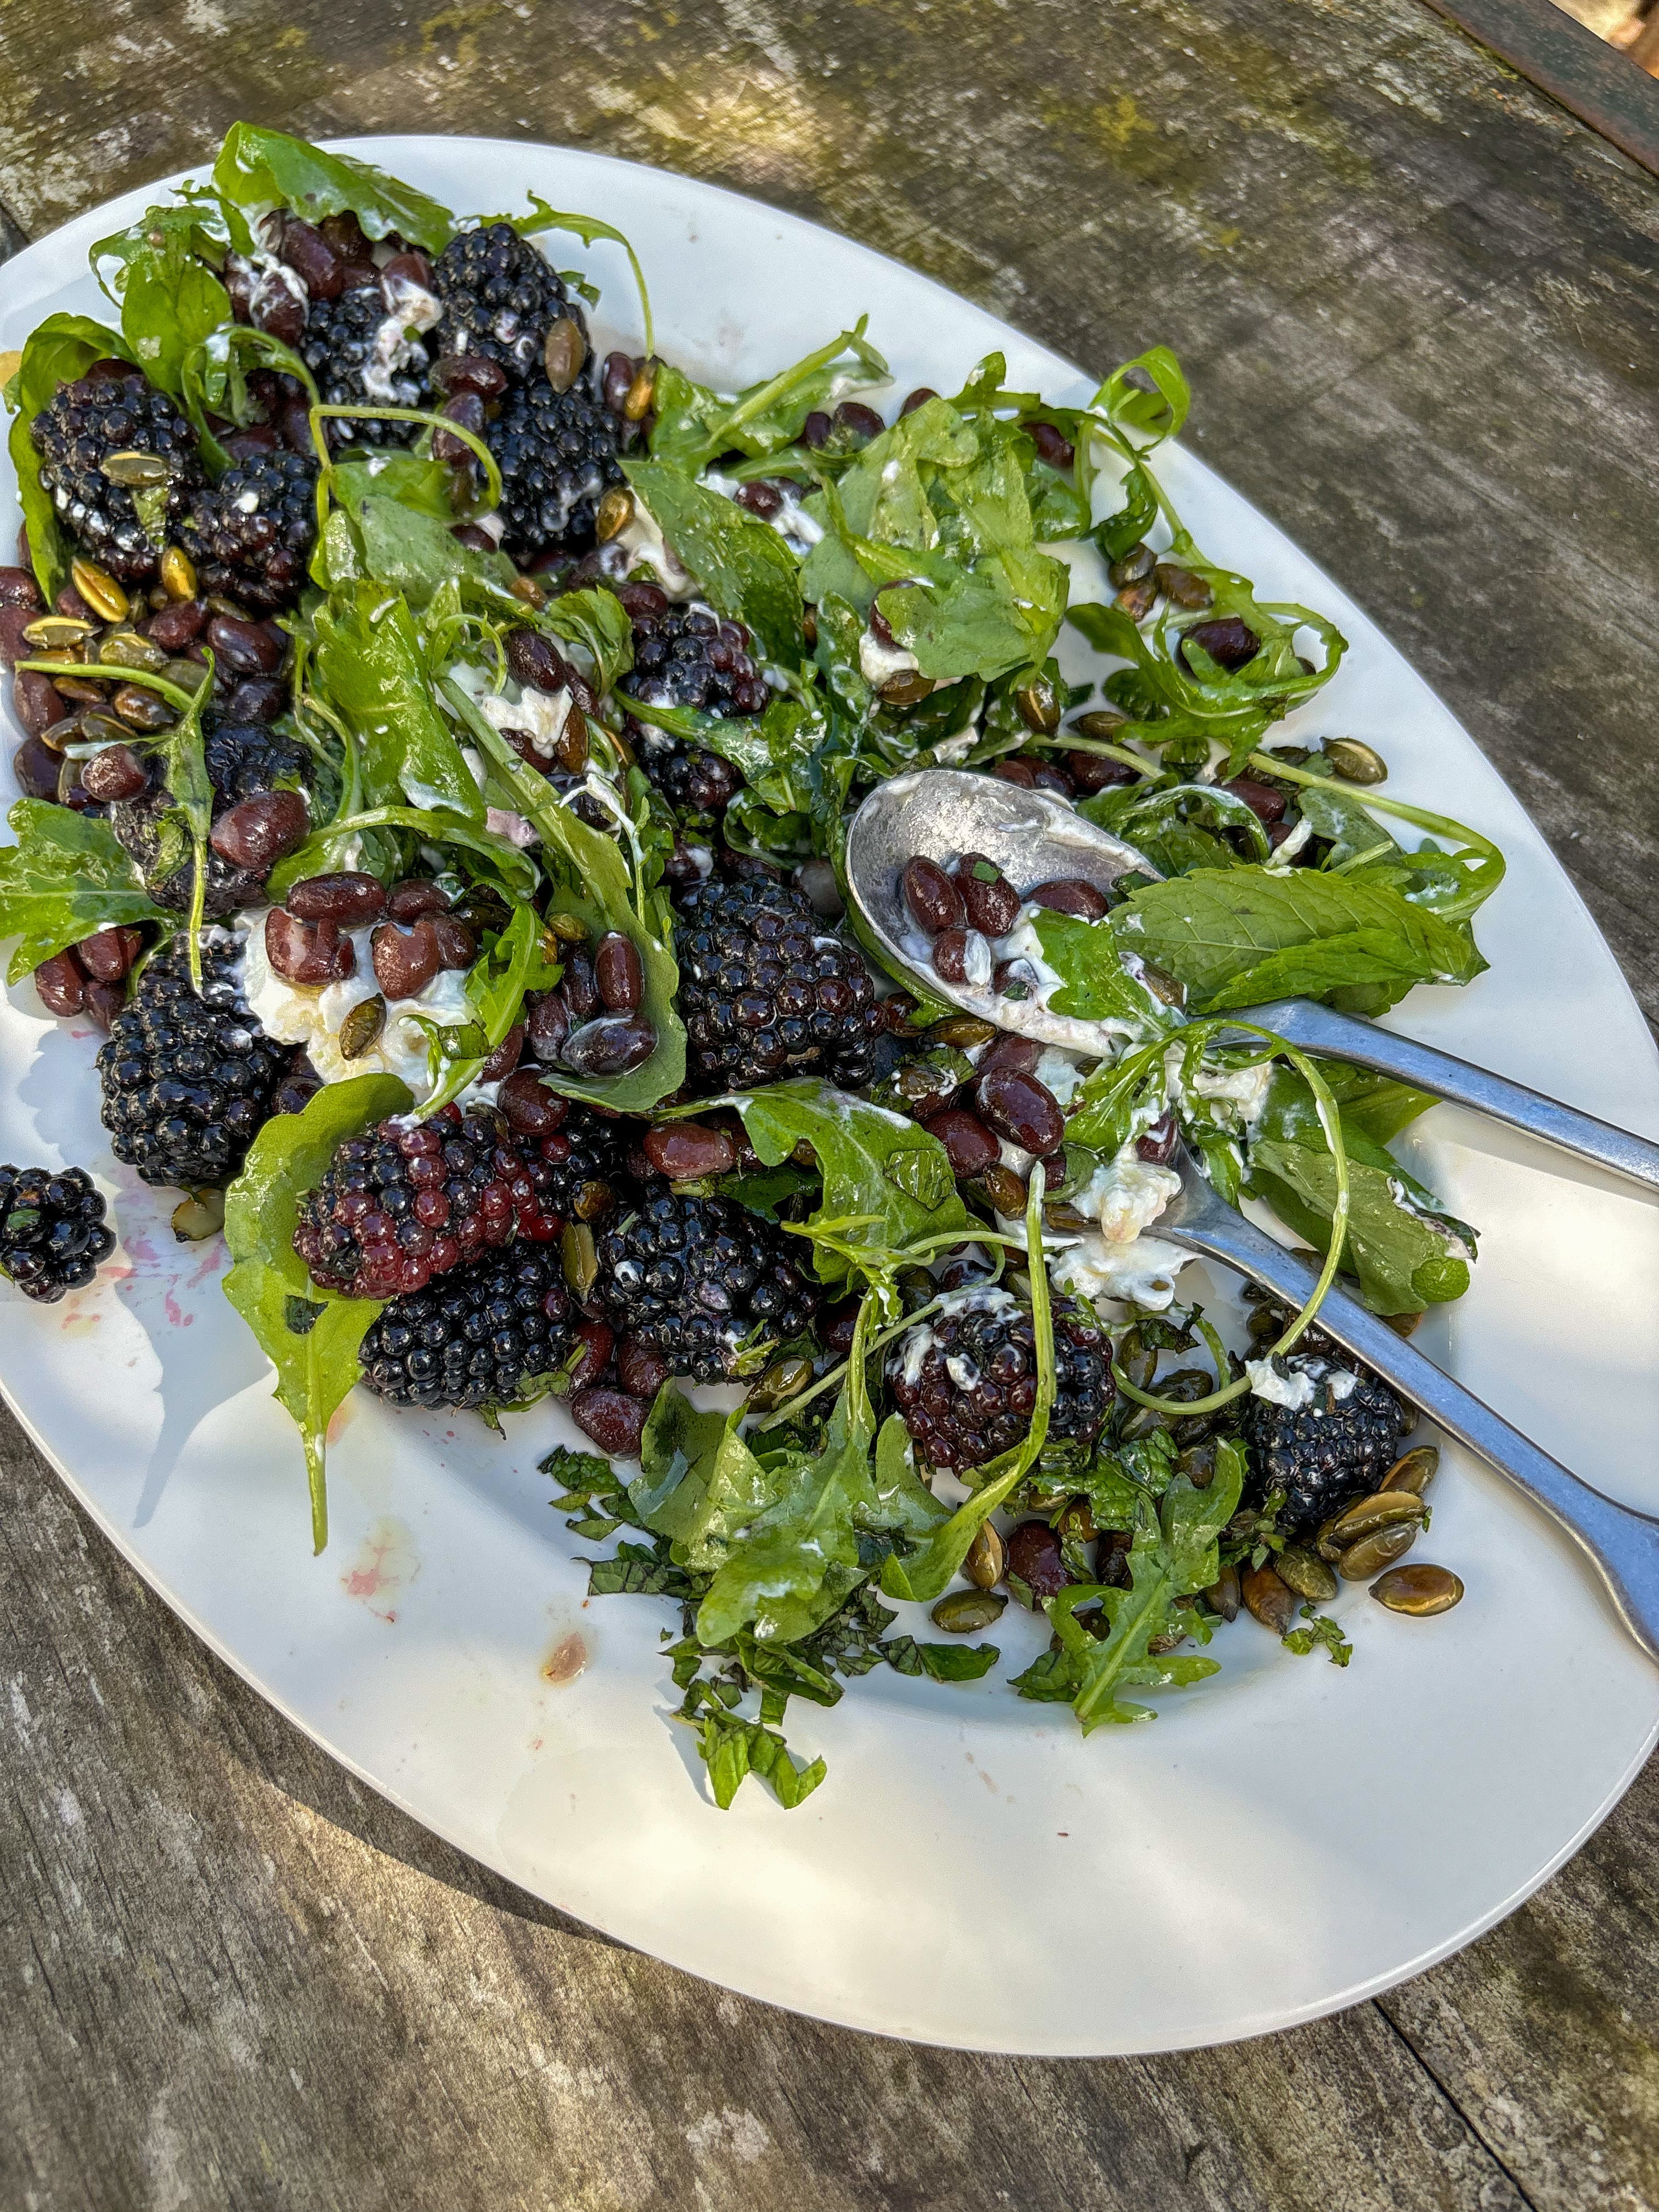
(387, 1564)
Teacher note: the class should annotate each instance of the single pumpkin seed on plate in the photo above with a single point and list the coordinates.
(199, 1215)
(1354, 762)
(98, 589)
(1413, 1471)
(1379, 1550)
(134, 471)
(1270, 1599)
(988, 1558)
(964, 1611)
(361, 1027)
(1419, 1591)
(1366, 1515)
(1306, 1573)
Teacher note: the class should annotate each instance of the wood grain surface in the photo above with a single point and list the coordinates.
(1416, 299)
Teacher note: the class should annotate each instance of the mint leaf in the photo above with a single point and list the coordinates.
(942, 1663)
(65, 878)
(257, 169)
(1098, 987)
(746, 571)
(1237, 937)
(700, 1484)
(732, 1749)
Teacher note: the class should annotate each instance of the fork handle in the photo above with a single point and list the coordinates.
(1347, 1036)
(1623, 1544)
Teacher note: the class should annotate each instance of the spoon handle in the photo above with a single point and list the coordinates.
(1321, 1030)
(1623, 1544)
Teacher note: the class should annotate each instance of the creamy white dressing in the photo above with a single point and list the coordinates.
(1126, 1195)
(1279, 862)
(790, 519)
(1143, 1272)
(1294, 1391)
(640, 543)
(1059, 1072)
(878, 663)
(1454, 1243)
(313, 1014)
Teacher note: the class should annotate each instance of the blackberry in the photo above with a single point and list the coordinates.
(53, 1230)
(242, 759)
(75, 435)
(691, 779)
(501, 297)
(338, 347)
(701, 1280)
(584, 1151)
(557, 455)
(687, 657)
(251, 535)
(764, 994)
(967, 1382)
(189, 1082)
(1335, 1448)
(399, 1204)
(475, 1338)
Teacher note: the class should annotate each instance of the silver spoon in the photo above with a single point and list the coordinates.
(1622, 1544)
(1034, 836)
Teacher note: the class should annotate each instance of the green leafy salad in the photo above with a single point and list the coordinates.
(437, 743)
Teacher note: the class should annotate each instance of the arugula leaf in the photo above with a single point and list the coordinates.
(369, 668)
(310, 1337)
(55, 352)
(164, 282)
(733, 1748)
(1238, 937)
(880, 1170)
(591, 879)
(1177, 827)
(65, 878)
(257, 169)
(746, 571)
(402, 546)
(1145, 419)
(319, 855)
(1098, 986)
(694, 424)
(700, 1484)
(599, 621)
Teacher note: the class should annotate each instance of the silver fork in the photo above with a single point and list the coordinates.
(1622, 1545)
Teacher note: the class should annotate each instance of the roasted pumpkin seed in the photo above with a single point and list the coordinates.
(125, 648)
(1420, 1589)
(1037, 704)
(135, 471)
(1270, 1599)
(1223, 1594)
(178, 574)
(988, 1558)
(361, 1027)
(563, 353)
(581, 1256)
(53, 632)
(613, 514)
(100, 589)
(964, 1611)
(1414, 1472)
(141, 709)
(200, 1215)
(962, 1030)
(1102, 724)
(1367, 1515)
(1306, 1573)
(783, 1380)
(1379, 1550)
(637, 405)
(907, 688)
(1355, 762)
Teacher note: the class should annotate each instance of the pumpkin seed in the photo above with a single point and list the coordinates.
(98, 729)
(80, 688)
(1367, 1515)
(581, 1256)
(637, 405)
(125, 648)
(361, 1027)
(1306, 1573)
(593, 1201)
(134, 471)
(1223, 1594)
(178, 575)
(1100, 723)
(527, 589)
(569, 929)
(1403, 1324)
(1270, 1599)
(1419, 1591)
(988, 1558)
(784, 1379)
(1037, 704)
(1076, 1524)
(55, 631)
(564, 353)
(964, 1611)
(1066, 1218)
(100, 589)
(189, 675)
(141, 709)
(1379, 1550)
(613, 514)
(200, 1215)
(962, 1030)
(1414, 1472)
(1355, 762)
(906, 689)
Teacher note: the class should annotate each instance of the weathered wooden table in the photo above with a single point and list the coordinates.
(1418, 301)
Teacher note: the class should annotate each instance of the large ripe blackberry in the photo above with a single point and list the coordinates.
(966, 1382)
(75, 435)
(52, 1232)
(400, 1205)
(252, 533)
(585, 1156)
(701, 1280)
(687, 657)
(557, 455)
(765, 994)
(189, 1082)
(242, 760)
(476, 1337)
(1335, 1448)
(340, 347)
(245, 758)
(501, 297)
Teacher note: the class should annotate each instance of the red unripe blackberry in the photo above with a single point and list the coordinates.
(966, 1382)
(403, 1204)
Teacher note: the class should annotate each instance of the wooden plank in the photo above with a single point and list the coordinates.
(1416, 299)
(1591, 79)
